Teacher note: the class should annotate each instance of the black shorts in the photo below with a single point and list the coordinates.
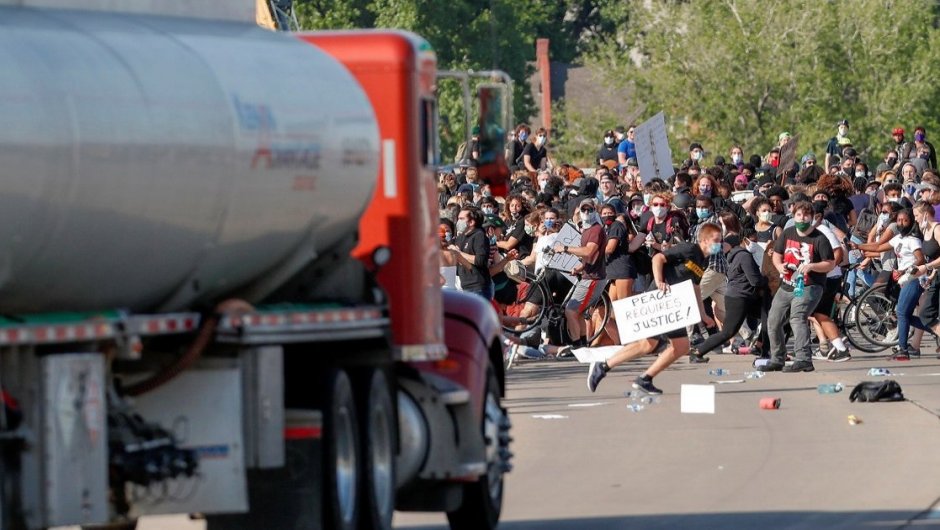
(930, 303)
(676, 334)
(827, 302)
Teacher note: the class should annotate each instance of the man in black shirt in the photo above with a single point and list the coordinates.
(681, 262)
(802, 256)
(471, 250)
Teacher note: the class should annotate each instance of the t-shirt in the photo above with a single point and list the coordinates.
(476, 243)
(904, 247)
(596, 270)
(834, 242)
(516, 229)
(796, 250)
(618, 260)
(536, 154)
(628, 148)
(607, 153)
(684, 261)
(541, 248)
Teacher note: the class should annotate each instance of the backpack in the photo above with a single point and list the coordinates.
(871, 391)
(670, 227)
(768, 270)
(866, 220)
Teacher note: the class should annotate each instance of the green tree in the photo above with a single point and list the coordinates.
(742, 71)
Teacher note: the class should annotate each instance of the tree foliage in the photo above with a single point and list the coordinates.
(741, 71)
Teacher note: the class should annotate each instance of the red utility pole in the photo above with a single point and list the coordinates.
(545, 80)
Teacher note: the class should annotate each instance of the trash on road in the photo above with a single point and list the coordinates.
(719, 371)
(586, 404)
(853, 419)
(757, 374)
(549, 417)
(830, 388)
(697, 399)
(727, 382)
(770, 403)
(879, 371)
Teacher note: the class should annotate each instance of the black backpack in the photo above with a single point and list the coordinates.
(870, 391)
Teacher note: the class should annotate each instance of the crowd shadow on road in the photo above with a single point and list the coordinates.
(796, 520)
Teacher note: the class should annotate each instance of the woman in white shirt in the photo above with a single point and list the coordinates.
(907, 248)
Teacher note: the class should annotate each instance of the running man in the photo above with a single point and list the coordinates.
(681, 262)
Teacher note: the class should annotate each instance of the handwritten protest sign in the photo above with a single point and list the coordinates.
(571, 237)
(655, 312)
(652, 149)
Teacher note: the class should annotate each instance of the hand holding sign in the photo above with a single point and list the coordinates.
(656, 312)
(568, 236)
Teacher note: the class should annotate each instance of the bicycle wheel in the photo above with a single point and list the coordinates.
(535, 306)
(849, 327)
(598, 315)
(876, 317)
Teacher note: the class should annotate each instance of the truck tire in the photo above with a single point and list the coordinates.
(483, 499)
(341, 477)
(379, 435)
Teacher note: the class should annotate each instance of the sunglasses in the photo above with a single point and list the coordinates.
(587, 210)
(658, 204)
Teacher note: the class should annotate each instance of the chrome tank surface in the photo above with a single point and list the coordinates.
(156, 163)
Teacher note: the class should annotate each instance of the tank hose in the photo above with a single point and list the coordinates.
(203, 339)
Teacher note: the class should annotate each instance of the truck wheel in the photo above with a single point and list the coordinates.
(483, 499)
(378, 437)
(341, 455)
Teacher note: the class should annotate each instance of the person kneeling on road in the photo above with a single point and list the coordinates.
(681, 262)
(591, 269)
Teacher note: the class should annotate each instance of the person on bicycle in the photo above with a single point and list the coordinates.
(591, 269)
(681, 262)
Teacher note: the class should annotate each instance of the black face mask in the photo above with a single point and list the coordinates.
(906, 231)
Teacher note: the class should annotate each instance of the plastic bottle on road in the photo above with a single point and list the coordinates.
(830, 388)
(719, 371)
(636, 407)
(754, 375)
(879, 372)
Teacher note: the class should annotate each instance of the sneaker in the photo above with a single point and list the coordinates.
(818, 355)
(696, 338)
(697, 358)
(646, 386)
(900, 355)
(913, 354)
(563, 352)
(799, 366)
(595, 374)
(770, 367)
(838, 356)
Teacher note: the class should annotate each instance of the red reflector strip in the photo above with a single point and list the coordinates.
(303, 433)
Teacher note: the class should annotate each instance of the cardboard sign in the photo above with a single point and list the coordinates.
(570, 237)
(655, 312)
(652, 149)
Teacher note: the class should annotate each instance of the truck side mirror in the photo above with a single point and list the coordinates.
(491, 165)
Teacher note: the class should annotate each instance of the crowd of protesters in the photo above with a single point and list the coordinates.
(767, 243)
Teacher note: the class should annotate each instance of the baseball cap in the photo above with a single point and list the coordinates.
(609, 132)
(493, 221)
(695, 145)
(464, 188)
(843, 122)
(631, 162)
(897, 131)
(783, 135)
(467, 162)
(741, 178)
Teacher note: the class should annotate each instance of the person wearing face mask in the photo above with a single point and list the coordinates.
(737, 156)
(517, 207)
(802, 255)
(833, 147)
(518, 146)
(929, 317)
(607, 154)
(663, 226)
(742, 295)
(621, 274)
(904, 150)
(920, 140)
(696, 153)
(471, 251)
(535, 153)
(682, 262)
(764, 226)
(448, 261)
(591, 269)
(907, 245)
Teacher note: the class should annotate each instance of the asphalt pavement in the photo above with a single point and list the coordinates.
(591, 461)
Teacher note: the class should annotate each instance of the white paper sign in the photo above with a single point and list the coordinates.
(652, 149)
(571, 237)
(697, 399)
(655, 312)
(450, 277)
(590, 355)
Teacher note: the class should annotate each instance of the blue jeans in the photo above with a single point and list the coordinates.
(799, 309)
(907, 303)
(868, 277)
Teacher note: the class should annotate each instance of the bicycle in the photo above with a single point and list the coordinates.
(539, 303)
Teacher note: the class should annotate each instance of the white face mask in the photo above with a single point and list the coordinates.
(894, 199)
(736, 158)
(646, 198)
(843, 130)
(765, 216)
(588, 220)
(609, 140)
(658, 211)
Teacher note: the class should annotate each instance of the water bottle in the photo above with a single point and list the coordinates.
(830, 388)
(719, 371)
(879, 372)
(761, 362)
(798, 286)
(635, 407)
(754, 375)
